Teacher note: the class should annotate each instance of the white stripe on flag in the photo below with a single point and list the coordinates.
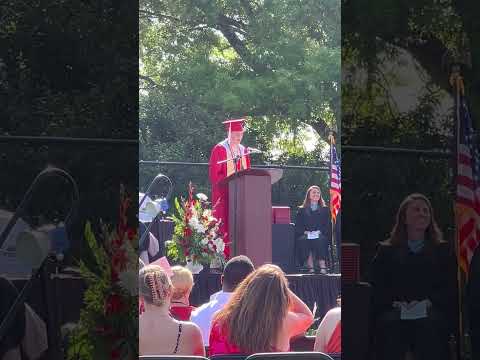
(465, 170)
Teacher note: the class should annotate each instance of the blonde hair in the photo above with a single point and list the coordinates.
(182, 281)
(256, 310)
(154, 285)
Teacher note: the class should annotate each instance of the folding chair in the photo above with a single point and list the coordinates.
(228, 357)
(171, 357)
(304, 355)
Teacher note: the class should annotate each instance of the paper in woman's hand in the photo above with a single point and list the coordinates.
(313, 234)
(414, 310)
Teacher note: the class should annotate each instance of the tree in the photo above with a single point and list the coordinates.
(377, 38)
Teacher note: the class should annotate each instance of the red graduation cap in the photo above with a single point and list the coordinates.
(234, 124)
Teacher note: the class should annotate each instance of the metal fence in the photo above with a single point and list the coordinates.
(288, 191)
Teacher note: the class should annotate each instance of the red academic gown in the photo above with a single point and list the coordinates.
(218, 172)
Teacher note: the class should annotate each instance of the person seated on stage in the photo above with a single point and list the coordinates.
(236, 270)
(238, 159)
(12, 340)
(26, 336)
(141, 304)
(182, 281)
(159, 333)
(414, 282)
(262, 315)
(313, 230)
(149, 249)
(329, 333)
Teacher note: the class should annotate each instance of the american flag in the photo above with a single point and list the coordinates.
(335, 182)
(467, 207)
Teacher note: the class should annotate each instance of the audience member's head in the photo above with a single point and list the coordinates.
(182, 281)
(256, 310)
(154, 285)
(236, 270)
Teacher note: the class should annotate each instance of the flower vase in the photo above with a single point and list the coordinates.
(216, 263)
(193, 266)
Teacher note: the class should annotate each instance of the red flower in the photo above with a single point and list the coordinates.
(187, 232)
(131, 233)
(115, 354)
(119, 259)
(114, 304)
(114, 275)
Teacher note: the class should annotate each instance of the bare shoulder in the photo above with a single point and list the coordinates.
(190, 328)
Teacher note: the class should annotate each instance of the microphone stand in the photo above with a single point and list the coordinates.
(149, 226)
(53, 343)
(48, 172)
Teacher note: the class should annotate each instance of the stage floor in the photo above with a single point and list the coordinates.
(311, 288)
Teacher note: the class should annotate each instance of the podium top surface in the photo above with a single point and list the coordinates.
(275, 174)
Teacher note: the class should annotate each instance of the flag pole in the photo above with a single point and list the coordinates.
(335, 261)
(456, 81)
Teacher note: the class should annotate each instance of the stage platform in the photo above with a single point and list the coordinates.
(311, 288)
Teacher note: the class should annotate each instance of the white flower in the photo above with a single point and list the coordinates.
(193, 222)
(220, 245)
(200, 228)
(202, 197)
(204, 241)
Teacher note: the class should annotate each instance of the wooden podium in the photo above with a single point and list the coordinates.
(250, 213)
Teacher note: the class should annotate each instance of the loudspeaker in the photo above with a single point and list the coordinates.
(283, 247)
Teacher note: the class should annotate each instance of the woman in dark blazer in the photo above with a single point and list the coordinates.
(414, 270)
(313, 230)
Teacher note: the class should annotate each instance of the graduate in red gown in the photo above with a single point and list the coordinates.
(229, 149)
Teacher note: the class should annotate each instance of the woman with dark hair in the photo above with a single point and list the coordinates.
(413, 286)
(313, 230)
(262, 315)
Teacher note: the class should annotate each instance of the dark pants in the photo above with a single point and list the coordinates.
(475, 342)
(317, 247)
(426, 338)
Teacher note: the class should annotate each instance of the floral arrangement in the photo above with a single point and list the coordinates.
(195, 237)
(108, 326)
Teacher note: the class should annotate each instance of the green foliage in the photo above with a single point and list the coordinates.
(108, 325)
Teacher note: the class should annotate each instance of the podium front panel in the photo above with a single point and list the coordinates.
(250, 218)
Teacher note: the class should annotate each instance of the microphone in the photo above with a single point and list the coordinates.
(253, 150)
